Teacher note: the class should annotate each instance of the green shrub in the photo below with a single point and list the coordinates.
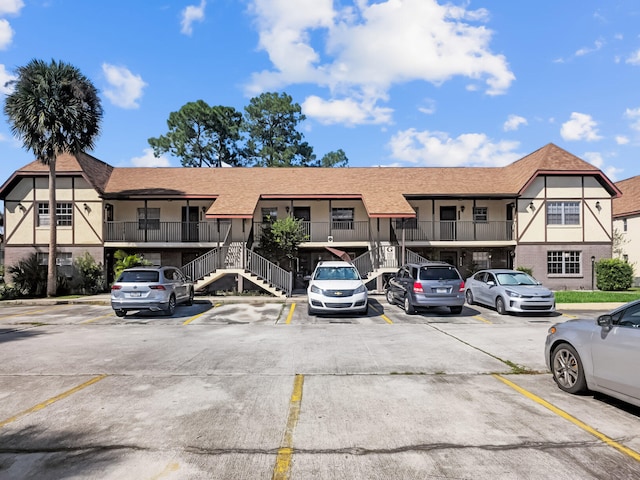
(613, 274)
(123, 261)
(29, 278)
(527, 270)
(88, 278)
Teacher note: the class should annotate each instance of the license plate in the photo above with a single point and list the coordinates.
(442, 290)
(135, 294)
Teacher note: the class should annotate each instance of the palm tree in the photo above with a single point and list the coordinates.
(53, 109)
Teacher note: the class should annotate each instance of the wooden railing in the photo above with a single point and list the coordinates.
(167, 232)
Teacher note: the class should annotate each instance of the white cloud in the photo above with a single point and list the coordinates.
(192, 14)
(150, 160)
(6, 34)
(580, 127)
(347, 111)
(343, 49)
(428, 107)
(437, 149)
(596, 159)
(126, 87)
(514, 122)
(633, 114)
(10, 7)
(634, 58)
(597, 45)
(4, 78)
(622, 139)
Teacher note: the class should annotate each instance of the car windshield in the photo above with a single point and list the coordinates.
(515, 279)
(138, 276)
(439, 273)
(336, 273)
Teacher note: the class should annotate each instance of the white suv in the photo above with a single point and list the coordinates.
(336, 287)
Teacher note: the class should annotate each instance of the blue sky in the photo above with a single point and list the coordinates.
(390, 82)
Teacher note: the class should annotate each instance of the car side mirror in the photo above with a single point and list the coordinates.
(306, 278)
(605, 320)
(491, 283)
(364, 277)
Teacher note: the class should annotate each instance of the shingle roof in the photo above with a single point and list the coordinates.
(384, 191)
(629, 202)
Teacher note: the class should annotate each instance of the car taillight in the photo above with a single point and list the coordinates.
(461, 289)
(417, 287)
(157, 287)
(116, 287)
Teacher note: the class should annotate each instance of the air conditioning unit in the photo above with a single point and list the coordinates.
(330, 238)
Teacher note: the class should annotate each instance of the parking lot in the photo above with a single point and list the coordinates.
(259, 389)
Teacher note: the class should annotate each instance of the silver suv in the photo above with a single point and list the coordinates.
(424, 285)
(150, 288)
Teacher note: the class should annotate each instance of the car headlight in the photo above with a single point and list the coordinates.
(360, 289)
(513, 294)
(315, 289)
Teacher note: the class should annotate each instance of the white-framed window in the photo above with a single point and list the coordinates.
(342, 218)
(481, 260)
(269, 214)
(563, 213)
(563, 262)
(64, 214)
(150, 221)
(64, 262)
(480, 214)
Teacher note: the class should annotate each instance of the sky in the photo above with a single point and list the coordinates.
(412, 83)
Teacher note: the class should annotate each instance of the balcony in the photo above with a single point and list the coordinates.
(453, 231)
(165, 232)
(343, 231)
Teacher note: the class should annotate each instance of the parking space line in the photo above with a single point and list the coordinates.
(22, 314)
(97, 318)
(609, 441)
(290, 316)
(172, 467)
(478, 317)
(189, 320)
(282, 468)
(382, 315)
(48, 402)
(568, 316)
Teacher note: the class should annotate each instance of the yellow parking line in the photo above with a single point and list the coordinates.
(568, 316)
(97, 318)
(188, 321)
(478, 317)
(46, 403)
(172, 467)
(282, 468)
(22, 314)
(382, 315)
(609, 441)
(290, 316)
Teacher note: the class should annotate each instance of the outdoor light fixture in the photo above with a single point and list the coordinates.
(21, 207)
(87, 208)
(462, 208)
(598, 206)
(532, 207)
(204, 209)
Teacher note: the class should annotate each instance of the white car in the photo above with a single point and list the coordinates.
(336, 287)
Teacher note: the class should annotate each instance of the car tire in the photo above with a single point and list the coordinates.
(120, 313)
(310, 310)
(189, 301)
(469, 297)
(500, 306)
(455, 309)
(409, 309)
(390, 299)
(171, 306)
(567, 370)
(365, 310)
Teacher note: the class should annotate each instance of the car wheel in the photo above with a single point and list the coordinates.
(171, 307)
(409, 309)
(390, 299)
(500, 308)
(455, 309)
(120, 313)
(189, 301)
(469, 297)
(567, 369)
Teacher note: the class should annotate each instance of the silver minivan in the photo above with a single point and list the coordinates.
(151, 288)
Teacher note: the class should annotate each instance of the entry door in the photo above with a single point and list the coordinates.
(304, 214)
(190, 218)
(450, 257)
(509, 221)
(448, 223)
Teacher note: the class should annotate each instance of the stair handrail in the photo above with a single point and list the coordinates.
(205, 264)
(269, 272)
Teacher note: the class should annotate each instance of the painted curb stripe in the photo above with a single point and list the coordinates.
(382, 315)
(290, 316)
(478, 317)
(600, 436)
(282, 468)
(46, 403)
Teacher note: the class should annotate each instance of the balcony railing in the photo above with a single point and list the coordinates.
(166, 232)
(343, 231)
(453, 231)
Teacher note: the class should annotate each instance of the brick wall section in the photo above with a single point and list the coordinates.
(535, 256)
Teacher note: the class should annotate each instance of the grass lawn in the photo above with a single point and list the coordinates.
(573, 296)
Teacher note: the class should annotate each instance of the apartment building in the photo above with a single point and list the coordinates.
(626, 223)
(549, 211)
